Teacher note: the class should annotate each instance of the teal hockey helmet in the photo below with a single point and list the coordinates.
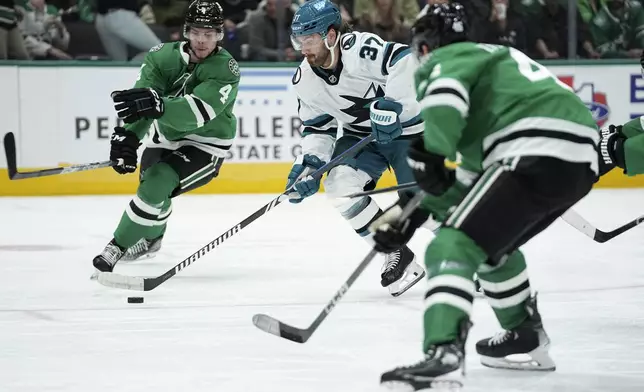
(314, 17)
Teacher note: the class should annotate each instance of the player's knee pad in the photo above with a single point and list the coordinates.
(453, 249)
(344, 180)
(158, 183)
(360, 211)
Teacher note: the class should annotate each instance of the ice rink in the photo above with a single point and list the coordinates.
(59, 331)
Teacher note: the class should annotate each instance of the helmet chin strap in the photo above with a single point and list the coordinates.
(332, 50)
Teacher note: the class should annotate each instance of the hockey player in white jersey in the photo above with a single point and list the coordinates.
(366, 84)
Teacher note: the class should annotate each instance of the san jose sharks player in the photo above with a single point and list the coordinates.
(365, 84)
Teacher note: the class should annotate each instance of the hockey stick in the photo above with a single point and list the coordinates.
(571, 217)
(273, 326)
(578, 222)
(12, 168)
(407, 185)
(137, 283)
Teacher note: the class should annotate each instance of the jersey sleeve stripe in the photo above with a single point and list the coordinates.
(445, 99)
(318, 121)
(206, 106)
(389, 48)
(451, 84)
(399, 54)
(313, 131)
(196, 110)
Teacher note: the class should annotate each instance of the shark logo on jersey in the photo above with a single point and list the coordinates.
(360, 108)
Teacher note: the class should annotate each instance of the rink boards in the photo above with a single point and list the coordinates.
(63, 114)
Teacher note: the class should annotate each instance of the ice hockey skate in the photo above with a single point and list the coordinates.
(442, 369)
(523, 348)
(144, 249)
(108, 258)
(400, 271)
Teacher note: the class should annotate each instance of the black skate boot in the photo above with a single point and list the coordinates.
(443, 368)
(144, 249)
(108, 258)
(523, 348)
(400, 271)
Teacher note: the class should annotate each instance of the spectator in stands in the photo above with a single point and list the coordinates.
(551, 33)
(169, 10)
(268, 40)
(407, 9)
(384, 21)
(617, 29)
(504, 26)
(589, 8)
(45, 34)
(235, 11)
(346, 10)
(12, 44)
(118, 24)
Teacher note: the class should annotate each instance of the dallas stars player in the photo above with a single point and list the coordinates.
(623, 145)
(529, 152)
(367, 84)
(184, 96)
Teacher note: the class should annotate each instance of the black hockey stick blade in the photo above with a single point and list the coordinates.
(138, 283)
(10, 154)
(275, 327)
(578, 222)
(14, 174)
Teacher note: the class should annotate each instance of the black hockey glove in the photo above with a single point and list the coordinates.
(123, 150)
(611, 149)
(429, 169)
(389, 233)
(137, 103)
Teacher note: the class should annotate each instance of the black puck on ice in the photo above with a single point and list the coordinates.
(134, 300)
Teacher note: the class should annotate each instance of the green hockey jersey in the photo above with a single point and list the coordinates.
(198, 98)
(483, 103)
(634, 146)
(614, 36)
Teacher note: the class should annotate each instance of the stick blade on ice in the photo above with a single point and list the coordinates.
(125, 282)
(270, 325)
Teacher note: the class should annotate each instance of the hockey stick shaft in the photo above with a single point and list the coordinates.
(578, 222)
(401, 187)
(12, 168)
(273, 326)
(146, 284)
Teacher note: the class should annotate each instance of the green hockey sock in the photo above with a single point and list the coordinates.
(147, 213)
(451, 259)
(507, 288)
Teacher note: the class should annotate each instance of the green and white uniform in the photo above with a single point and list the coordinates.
(634, 146)
(188, 143)
(512, 125)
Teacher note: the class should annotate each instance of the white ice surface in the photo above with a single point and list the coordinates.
(59, 331)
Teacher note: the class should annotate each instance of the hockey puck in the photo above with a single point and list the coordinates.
(135, 300)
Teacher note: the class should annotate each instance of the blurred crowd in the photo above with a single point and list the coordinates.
(257, 30)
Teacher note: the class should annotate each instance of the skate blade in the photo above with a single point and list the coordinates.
(435, 386)
(144, 257)
(536, 360)
(412, 275)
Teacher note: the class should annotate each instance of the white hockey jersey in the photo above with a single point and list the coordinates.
(368, 68)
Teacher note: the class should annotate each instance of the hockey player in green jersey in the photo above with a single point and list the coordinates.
(528, 148)
(184, 96)
(623, 145)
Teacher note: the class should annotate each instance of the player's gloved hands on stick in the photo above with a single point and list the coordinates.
(123, 145)
(389, 233)
(429, 169)
(385, 124)
(304, 165)
(137, 103)
(611, 149)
